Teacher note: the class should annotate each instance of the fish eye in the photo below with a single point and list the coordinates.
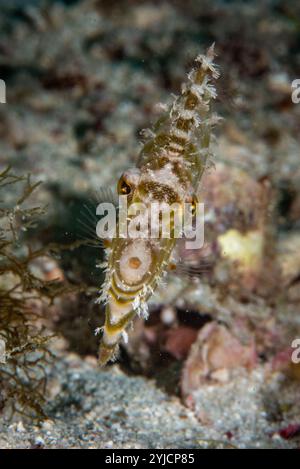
(123, 187)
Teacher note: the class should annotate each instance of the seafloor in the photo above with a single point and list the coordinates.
(212, 366)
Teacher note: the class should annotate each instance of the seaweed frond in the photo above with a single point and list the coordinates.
(24, 338)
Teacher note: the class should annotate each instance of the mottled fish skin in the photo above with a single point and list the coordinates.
(169, 170)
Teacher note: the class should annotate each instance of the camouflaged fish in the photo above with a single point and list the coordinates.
(169, 170)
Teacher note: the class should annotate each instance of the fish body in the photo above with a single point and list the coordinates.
(169, 171)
